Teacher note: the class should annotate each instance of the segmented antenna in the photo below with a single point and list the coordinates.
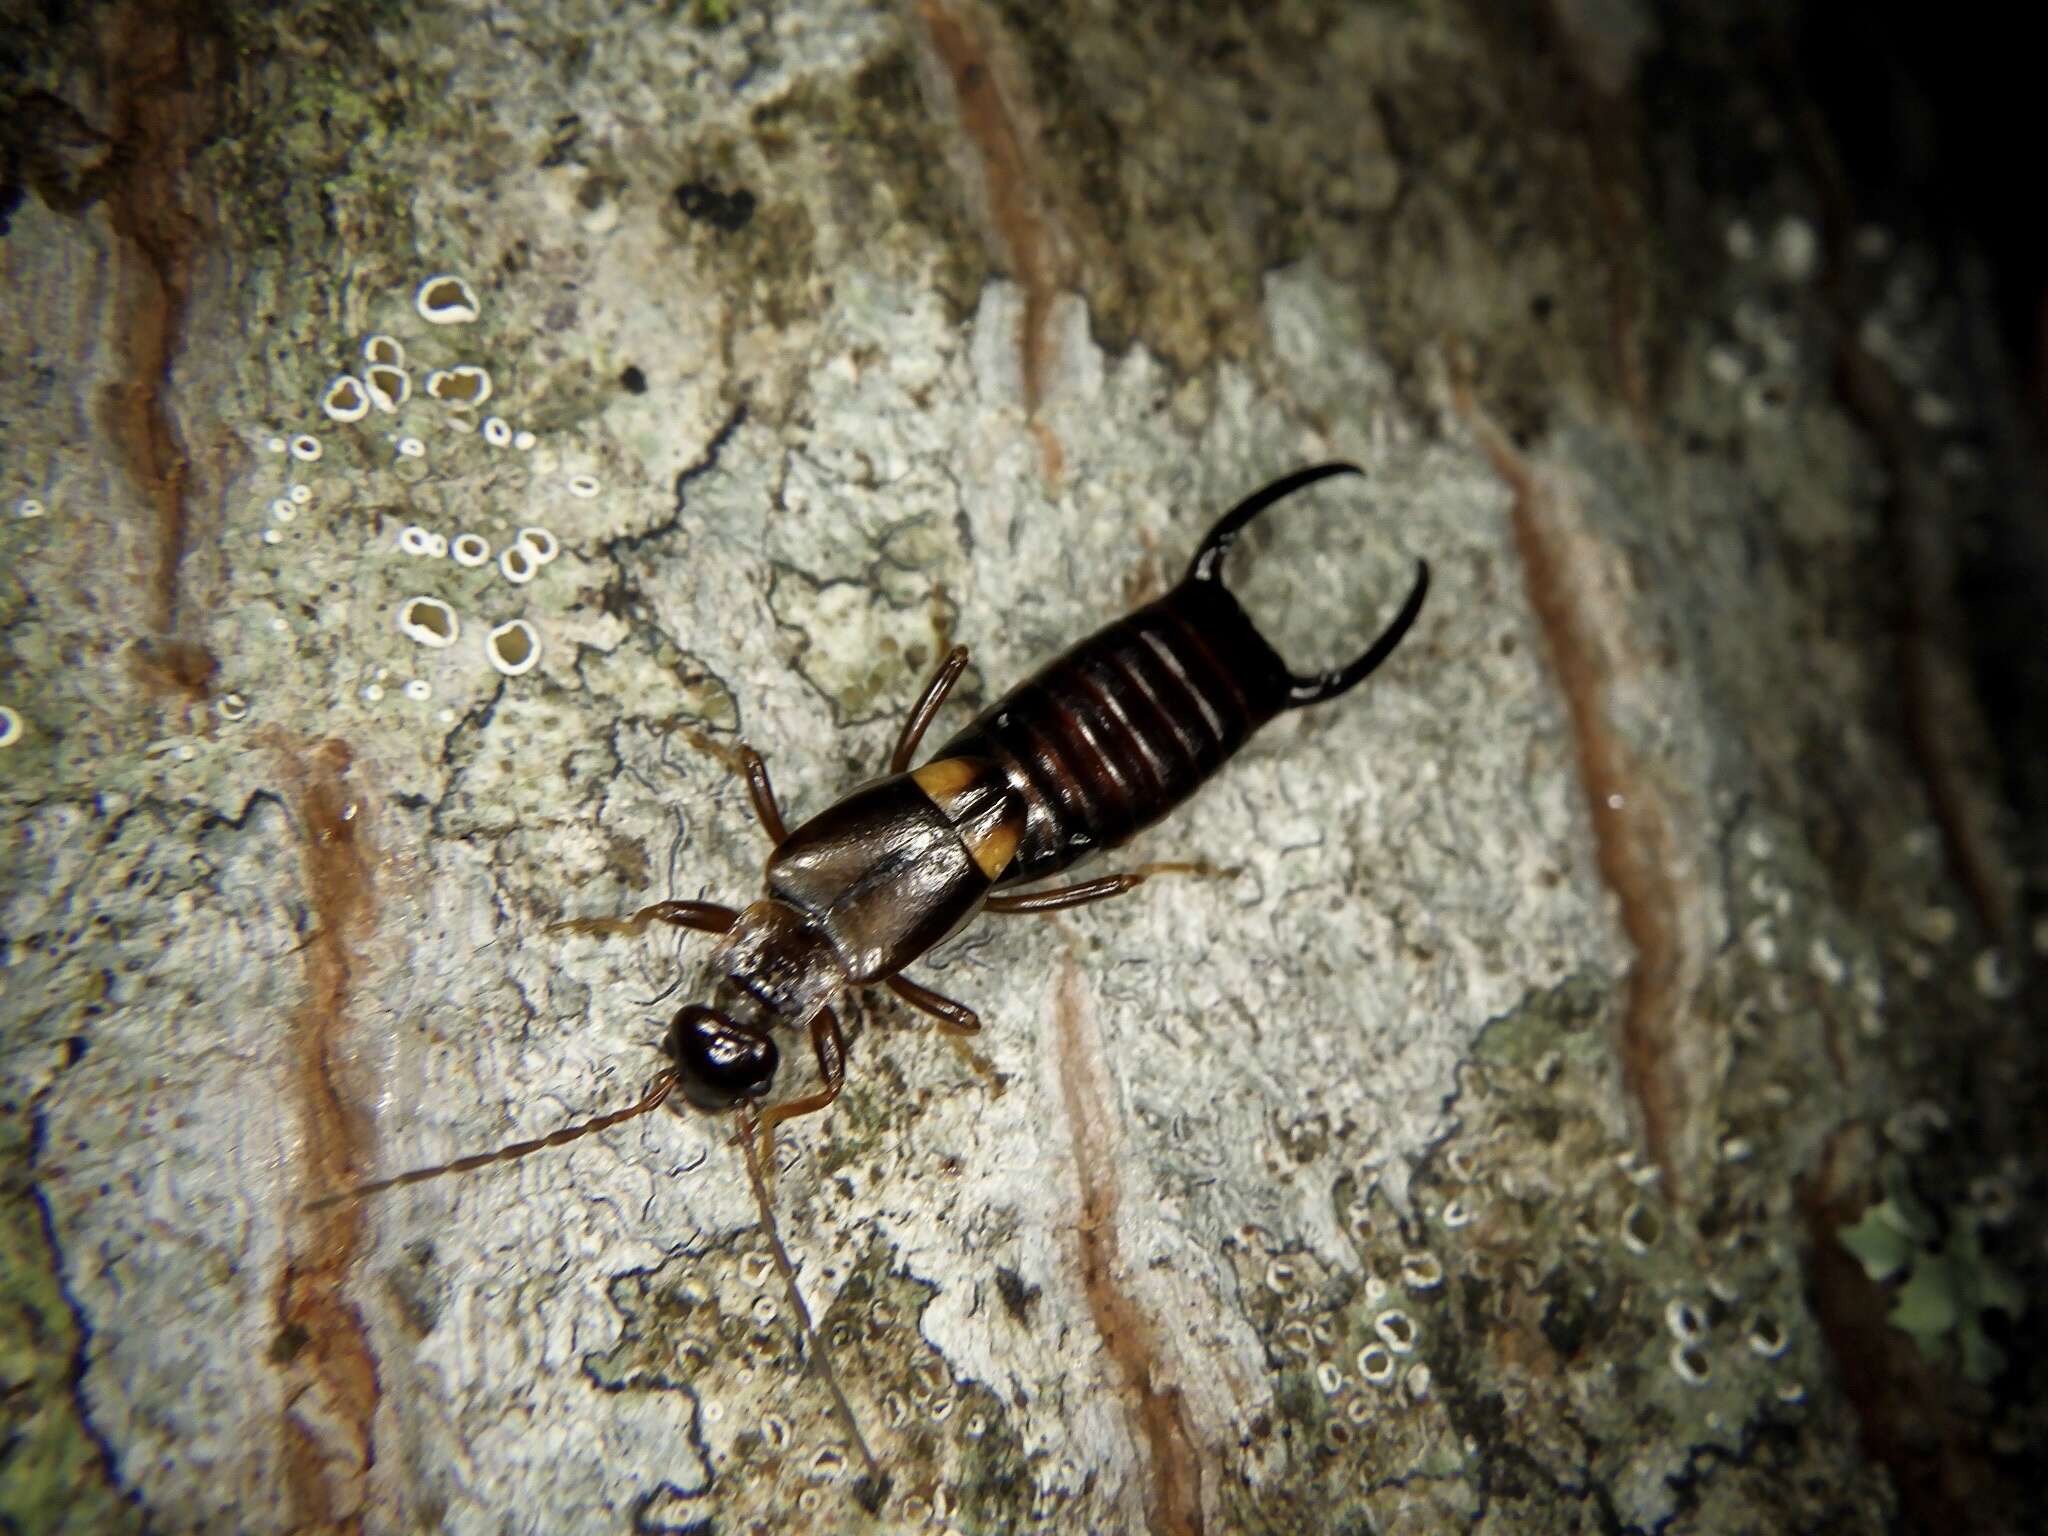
(655, 1096)
(877, 1481)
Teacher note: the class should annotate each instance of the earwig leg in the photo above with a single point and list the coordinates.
(954, 1018)
(830, 1048)
(746, 762)
(956, 1022)
(1099, 889)
(762, 793)
(704, 916)
(927, 705)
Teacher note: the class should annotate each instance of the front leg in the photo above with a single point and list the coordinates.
(746, 762)
(762, 793)
(830, 1049)
(703, 916)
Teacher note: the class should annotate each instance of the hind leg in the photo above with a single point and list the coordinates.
(1099, 889)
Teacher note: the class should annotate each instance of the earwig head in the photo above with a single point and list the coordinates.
(719, 1063)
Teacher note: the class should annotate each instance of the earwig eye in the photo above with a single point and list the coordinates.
(718, 1062)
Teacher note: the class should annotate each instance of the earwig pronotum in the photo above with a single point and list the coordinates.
(1093, 748)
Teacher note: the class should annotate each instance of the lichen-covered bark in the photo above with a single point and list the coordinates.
(1478, 1155)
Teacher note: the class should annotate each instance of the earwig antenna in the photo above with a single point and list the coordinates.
(655, 1096)
(877, 1479)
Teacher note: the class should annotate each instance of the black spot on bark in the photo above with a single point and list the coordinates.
(708, 204)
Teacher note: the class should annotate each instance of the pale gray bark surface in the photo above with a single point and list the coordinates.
(1360, 1191)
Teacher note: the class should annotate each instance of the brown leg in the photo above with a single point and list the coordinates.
(954, 1018)
(746, 762)
(704, 916)
(762, 793)
(1101, 889)
(956, 1022)
(927, 705)
(831, 1052)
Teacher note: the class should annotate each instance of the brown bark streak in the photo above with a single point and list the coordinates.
(331, 1372)
(1630, 833)
(1013, 200)
(1175, 1502)
(161, 85)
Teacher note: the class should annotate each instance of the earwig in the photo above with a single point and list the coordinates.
(1093, 748)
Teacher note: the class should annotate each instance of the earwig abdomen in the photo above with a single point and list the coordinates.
(1114, 734)
(1111, 736)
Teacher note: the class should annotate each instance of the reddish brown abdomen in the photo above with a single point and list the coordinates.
(1111, 736)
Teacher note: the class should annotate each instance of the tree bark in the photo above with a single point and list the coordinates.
(1478, 1153)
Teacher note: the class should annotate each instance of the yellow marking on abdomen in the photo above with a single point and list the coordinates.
(994, 849)
(986, 826)
(942, 781)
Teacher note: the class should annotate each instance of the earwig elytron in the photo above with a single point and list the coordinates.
(1096, 746)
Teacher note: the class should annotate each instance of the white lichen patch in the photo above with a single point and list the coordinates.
(428, 621)
(1397, 1330)
(1376, 1364)
(1994, 975)
(513, 647)
(446, 299)
(345, 400)
(388, 386)
(1684, 1320)
(517, 565)
(1690, 1364)
(1766, 1336)
(465, 386)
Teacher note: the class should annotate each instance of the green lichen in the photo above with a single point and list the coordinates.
(1948, 1292)
(1949, 1285)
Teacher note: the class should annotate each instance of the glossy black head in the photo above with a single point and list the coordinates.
(718, 1062)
